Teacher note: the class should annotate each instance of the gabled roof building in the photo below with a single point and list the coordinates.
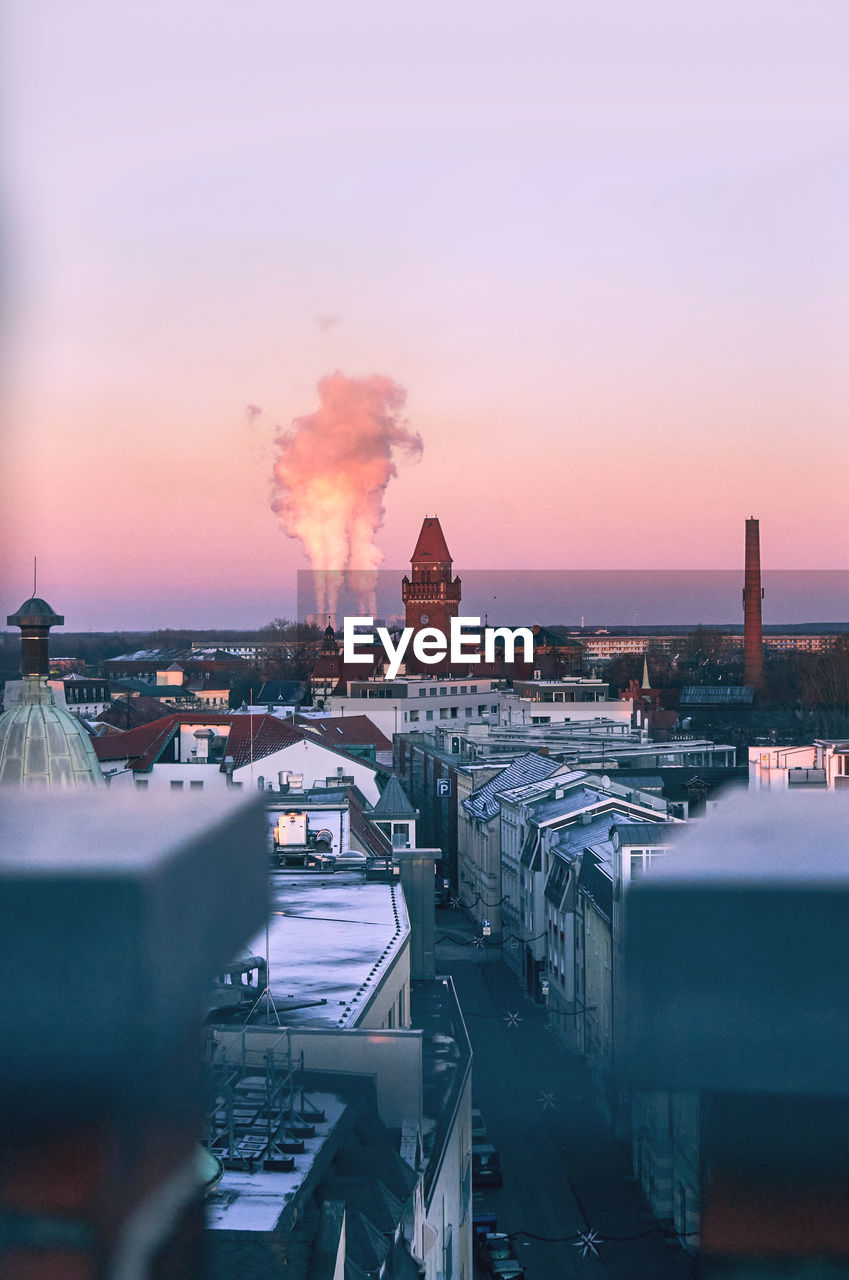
(479, 831)
(209, 751)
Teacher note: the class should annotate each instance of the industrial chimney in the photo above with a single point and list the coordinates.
(752, 596)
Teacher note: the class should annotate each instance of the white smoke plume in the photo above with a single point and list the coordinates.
(330, 477)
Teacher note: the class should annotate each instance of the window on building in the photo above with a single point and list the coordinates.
(473, 688)
(463, 688)
(443, 713)
(142, 783)
(468, 713)
(195, 786)
(176, 784)
(453, 713)
(443, 692)
(400, 835)
(414, 715)
(481, 709)
(422, 693)
(432, 692)
(429, 715)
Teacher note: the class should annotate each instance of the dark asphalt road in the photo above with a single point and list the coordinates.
(563, 1171)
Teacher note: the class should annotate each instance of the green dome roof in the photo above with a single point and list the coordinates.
(35, 612)
(41, 743)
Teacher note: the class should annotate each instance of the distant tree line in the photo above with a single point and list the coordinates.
(802, 695)
(280, 663)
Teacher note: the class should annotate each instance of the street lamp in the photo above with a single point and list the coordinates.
(543, 987)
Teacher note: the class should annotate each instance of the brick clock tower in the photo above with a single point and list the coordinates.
(430, 595)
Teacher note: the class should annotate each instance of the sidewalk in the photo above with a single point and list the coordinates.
(563, 1171)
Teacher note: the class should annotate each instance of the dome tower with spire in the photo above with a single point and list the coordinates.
(42, 743)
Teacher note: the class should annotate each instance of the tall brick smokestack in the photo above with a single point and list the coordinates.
(753, 652)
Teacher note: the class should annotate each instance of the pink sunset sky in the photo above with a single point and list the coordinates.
(603, 248)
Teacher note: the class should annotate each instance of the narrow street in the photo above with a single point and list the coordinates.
(563, 1171)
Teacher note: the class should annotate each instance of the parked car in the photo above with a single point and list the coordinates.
(486, 1165)
(479, 1130)
(506, 1269)
(495, 1247)
(483, 1224)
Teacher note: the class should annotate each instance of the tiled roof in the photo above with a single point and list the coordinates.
(431, 545)
(345, 731)
(573, 839)
(370, 837)
(394, 802)
(531, 792)
(140, 746)
(647, 833)
(251, 738)
(483, 804)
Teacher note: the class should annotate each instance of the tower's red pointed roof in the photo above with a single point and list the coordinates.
(431, 545)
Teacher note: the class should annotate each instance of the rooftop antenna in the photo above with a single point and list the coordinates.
(34, 573)
(251, 730)
(265, 994)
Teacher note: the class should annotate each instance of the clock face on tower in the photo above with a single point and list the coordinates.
(424, 619)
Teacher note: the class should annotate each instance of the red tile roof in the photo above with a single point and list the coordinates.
(250, 737)
(431, 545)
(344, 731)
(140, 746)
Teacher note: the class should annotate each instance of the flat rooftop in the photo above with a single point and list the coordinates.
(246, 1201)
(331, 940)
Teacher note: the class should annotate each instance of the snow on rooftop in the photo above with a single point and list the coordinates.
(326, 939)
(245, 1201)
